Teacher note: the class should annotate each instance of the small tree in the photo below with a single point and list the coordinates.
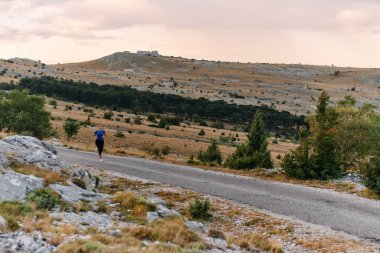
(253, 153)
(53, 103)
(212, 154)
(317, 156)
(71, 127)
(202, 133)
(24, 113)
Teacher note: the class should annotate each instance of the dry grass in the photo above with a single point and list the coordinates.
(50, 177)
(171, 230)
(369, 194)
(260, 241)
(130, 204)
(122, 184)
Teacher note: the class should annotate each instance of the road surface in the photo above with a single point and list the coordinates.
(339, 211)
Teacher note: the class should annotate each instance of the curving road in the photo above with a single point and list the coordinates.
(339, 211)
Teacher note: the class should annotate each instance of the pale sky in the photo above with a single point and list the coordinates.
(323, 32)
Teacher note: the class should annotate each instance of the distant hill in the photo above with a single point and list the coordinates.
(293, 88)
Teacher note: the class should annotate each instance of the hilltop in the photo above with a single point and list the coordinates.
(292, 88)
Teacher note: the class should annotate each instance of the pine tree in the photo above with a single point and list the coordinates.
(254, 153)
(317, 155)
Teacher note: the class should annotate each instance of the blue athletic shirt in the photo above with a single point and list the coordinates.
(100, 134)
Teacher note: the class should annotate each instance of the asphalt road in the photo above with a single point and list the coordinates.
(339, 211)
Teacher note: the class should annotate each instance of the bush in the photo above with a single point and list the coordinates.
(371, 174)
(199, 209)
(71, 127)
(151, 118)
(79, 182)
(53, 103)
(166, 150)
(119, 134)
(212, 154)
(108, 115)
(137, 121)
(202, 133)
(97, 182)
(21, 112)
(44, 198)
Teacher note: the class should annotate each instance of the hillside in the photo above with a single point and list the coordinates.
(293, 88)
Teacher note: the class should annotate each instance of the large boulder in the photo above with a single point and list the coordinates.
(73, 194)
(15, 186)
(28, 150)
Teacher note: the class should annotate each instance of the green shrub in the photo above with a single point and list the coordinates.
(71, 127)
(97, 182)
(44, 198)
(53, 103)
(137, 121)
(108, 115)
(79, 182)
(21, 112)
(202, 133)
(371, 174)
(191, 160)
(166, 150)
(199, 209)
(119, 134)
(151, 118)
(212, 154)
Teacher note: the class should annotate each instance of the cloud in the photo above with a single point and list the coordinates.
(239, 29)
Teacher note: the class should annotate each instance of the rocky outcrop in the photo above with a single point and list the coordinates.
(85, 219)
(22, 242)
(28, 150)
(84, 175)
(15, 186)
(73, 194)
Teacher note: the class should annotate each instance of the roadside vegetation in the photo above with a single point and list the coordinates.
(341, 139)
(25, 114)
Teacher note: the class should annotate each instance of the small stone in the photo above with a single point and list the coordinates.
(196, 226)
(152, 216)
(115, 232)
(164, 212)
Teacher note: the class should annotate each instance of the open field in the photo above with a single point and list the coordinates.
(293, 88)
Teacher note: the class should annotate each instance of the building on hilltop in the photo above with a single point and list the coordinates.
(149, 53)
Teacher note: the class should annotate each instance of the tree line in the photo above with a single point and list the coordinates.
(125, 97)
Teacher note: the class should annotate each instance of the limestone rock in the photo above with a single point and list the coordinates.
(28, 150)
(14, 186)
(72, 193)
(196, 226)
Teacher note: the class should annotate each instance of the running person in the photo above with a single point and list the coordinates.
(100, 134)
